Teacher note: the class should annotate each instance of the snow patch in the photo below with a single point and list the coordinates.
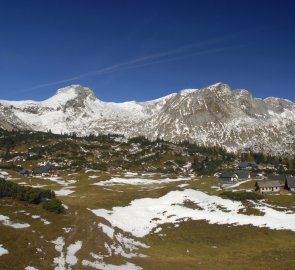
(63, 192)
(4, 173)
(137, 181)
(3, 250)
(183, 185)
(66, 259)
(7, 222)
(143, 215)
(67, 230)
(105, 266)
(72, 249)
(58, 180)
(107, 230)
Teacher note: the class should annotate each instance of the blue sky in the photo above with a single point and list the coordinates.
(141, 50)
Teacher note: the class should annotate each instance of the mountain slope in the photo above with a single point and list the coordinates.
(213, 115)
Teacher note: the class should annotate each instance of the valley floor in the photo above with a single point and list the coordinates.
(145, 221)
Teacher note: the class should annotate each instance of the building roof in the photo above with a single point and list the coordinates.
(24, 171)
(268, 183)
(246, 164)
(42, 169)
(277, 177)
(243, 164)
(290, 181)
(227, 175)
(242, 174)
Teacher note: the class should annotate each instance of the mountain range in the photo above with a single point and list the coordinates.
(214, 115)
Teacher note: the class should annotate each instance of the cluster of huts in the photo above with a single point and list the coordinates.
(46, 170)
(234, 176)
(248, 165)
(241, 174)
(278, 183)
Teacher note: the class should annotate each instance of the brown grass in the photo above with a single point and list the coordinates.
(193, 245)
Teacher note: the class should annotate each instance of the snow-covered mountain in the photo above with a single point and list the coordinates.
(213, 115)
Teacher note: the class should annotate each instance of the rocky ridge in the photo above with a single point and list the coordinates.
(211, 116)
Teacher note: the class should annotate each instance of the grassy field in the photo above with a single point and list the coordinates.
(187, 245)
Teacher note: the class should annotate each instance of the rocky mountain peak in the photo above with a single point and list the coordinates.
(76, 91)
(70, 96)
(218, 89)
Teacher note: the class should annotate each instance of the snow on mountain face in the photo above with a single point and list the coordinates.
(213, 115)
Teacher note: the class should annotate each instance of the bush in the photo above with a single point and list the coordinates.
(180, 162)
(10, 166)
(28, 194)
(36, 196)
(242, 195)
(53, 205)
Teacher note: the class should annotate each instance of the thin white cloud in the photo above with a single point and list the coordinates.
(157, 58)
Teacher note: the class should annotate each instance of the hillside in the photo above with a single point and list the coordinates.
(211, 116)
(117, 154)
(137, 204)
(110, 153)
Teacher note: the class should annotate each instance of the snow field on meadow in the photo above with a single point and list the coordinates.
(138, 181)
(142, 216)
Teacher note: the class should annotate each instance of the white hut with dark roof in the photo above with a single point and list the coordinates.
(268, 186)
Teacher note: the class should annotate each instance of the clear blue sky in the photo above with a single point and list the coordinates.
(141, 50)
